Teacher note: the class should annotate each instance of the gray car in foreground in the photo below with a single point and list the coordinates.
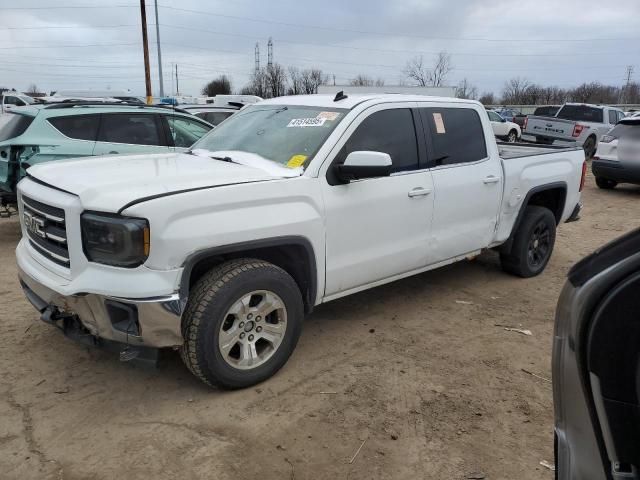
(596, 366)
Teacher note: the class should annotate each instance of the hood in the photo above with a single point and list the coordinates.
(107, 183)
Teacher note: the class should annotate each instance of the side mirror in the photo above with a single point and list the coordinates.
(364, 164)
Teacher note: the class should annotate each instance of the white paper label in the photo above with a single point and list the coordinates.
(306, 122)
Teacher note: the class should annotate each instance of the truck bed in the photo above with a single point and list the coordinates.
(517, 150)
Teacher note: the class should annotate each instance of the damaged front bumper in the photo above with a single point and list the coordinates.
(133, 326)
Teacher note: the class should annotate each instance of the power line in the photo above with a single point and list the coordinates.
(70, 46)
(61, 7)
(369, 32)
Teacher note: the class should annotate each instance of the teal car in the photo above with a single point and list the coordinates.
(48, 132)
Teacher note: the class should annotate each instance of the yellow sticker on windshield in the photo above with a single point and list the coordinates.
(296, 161)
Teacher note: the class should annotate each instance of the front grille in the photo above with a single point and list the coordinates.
(46, 229)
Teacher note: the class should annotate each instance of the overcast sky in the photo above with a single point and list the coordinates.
(94, 46)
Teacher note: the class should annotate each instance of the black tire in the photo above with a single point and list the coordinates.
(589, 148)
(512, 137)
(208, 307)
(605, 183)
(528, 258)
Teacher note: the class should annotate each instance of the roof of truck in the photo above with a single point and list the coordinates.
(352, 100)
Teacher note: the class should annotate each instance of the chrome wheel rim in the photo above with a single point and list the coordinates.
(252, 329)
(512, 137)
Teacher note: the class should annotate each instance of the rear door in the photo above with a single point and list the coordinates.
(130, 133)
(77, 136)
(182, 131)
(467, 182)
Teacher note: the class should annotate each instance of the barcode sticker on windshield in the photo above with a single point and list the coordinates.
(437, 118)
(306, 122)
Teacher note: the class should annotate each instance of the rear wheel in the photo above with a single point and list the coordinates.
(533, 243)
(605, 183)
(589, 147)
(512, 137)
(242, 322)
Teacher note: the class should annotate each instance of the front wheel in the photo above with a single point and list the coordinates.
(512, 137)
(605, 183)
(533, 243)
(242, 322)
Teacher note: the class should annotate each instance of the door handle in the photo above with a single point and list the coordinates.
(419, 192)
(491, 179)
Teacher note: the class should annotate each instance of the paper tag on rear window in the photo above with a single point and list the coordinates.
(330, 116)
(296, 161)
(306, 122)
(437, 118)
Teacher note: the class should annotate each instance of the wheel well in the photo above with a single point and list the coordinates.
(553, 199)
(551, 196)
(296, 259)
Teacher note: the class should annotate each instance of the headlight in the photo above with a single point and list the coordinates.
(114, 239)
(608, 138)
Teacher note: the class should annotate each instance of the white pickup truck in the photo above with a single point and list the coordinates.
(290, 203)
(577, 123)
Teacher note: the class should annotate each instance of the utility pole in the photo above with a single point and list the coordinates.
(257, 55)
(159, 52)
(270, 53)
(177, 84)
(145, 47)
(628, 84)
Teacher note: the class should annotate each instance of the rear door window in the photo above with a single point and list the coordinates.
(581, 113)
(15, 126)
(78, 127)
(130, 128)
(613, 117)
(388, 131)
(454, 135)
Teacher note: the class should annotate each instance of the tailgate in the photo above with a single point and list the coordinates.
(550, 127)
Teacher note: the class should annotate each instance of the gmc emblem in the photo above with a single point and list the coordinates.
(34, 224)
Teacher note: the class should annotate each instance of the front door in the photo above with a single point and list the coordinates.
(467, 182)
(377, 228)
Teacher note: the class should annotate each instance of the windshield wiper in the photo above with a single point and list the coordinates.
(215, 157)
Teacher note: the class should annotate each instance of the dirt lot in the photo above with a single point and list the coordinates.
(416, 370)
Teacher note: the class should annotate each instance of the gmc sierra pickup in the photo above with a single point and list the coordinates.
(290, 203)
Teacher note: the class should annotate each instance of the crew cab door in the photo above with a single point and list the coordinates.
(130, 133)
(377, 228)
(467, 181)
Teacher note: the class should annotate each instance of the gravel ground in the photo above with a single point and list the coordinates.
(416, 373)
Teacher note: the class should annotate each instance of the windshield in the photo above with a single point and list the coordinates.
(27, 100)
(581, 113)
(286, 134)
(15, 126)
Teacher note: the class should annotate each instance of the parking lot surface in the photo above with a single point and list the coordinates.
(416, 379)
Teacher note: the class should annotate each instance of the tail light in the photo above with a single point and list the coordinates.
(577, 130)
(583, 178)
(524, 123)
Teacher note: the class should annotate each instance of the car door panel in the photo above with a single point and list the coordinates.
(376, 228)
(467, 188)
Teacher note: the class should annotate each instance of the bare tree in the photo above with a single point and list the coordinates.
(380, 82)
(441, 69)
(257, 85)
(487, 98)
(33, 88)
(466, 90)
(217, 86)
(361, 81)
(514, 91)
(417, 70)
(296, 81)
(312, 79)
(276, 79)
